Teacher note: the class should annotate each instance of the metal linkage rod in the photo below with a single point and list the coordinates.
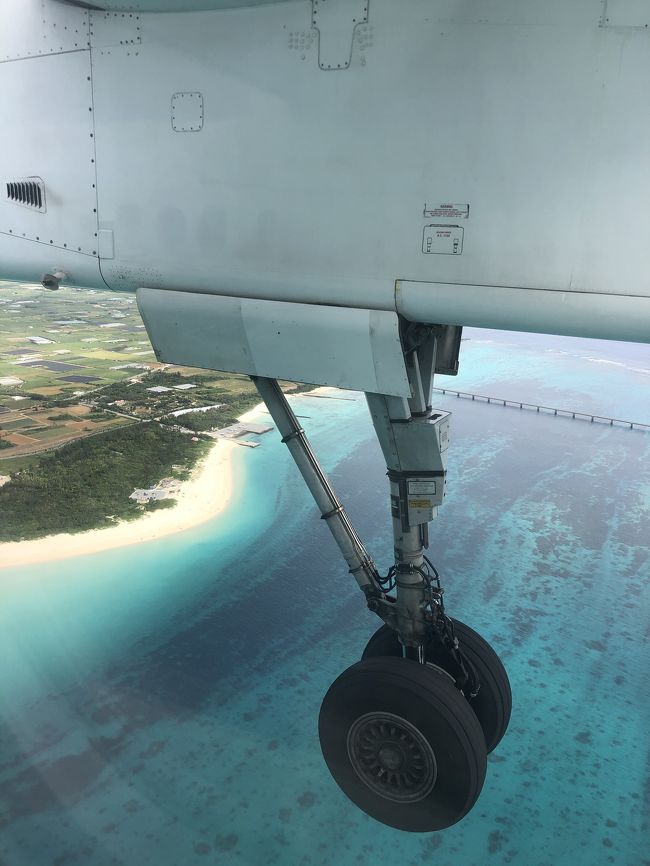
(355, 554)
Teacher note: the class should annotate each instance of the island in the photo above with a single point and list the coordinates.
(93, 430)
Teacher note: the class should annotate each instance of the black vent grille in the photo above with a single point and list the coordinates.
(28, 192)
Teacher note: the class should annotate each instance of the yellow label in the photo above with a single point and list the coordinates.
(420, 503)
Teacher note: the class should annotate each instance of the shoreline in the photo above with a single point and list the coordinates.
(202, 497)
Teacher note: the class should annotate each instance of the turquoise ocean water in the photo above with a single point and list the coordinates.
(159, 703)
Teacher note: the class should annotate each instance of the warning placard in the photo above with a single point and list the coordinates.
(418, 487)
(447, 211)
(420, 503)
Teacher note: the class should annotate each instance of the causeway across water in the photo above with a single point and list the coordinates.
(549, 410)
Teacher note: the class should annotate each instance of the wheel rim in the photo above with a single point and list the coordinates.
(391, 757)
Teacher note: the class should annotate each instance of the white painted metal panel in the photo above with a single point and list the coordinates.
(177, 5)
(579, 314)
(27, 261)
(32, 28)
(311, 185)
(114, 30)
(357, 349)
(514, 130)
(626, 13)
(46, 110)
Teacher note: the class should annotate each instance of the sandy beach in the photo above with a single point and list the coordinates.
(205, 495)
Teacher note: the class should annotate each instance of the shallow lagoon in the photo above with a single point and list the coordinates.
(159, 703)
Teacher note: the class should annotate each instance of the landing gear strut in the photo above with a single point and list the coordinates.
(405, 732)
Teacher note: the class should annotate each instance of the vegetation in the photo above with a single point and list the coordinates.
(234, 394)
(76, 487)
(201, 422)
(157, 504)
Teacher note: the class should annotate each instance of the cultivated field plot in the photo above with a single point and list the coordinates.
(77, 362)
(56, 349)
(61, 342)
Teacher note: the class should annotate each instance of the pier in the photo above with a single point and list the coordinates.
(548, 410)
(236, 431)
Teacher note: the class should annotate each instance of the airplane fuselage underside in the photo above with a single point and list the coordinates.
(448, 162)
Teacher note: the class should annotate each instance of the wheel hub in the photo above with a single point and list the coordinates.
(392, 757)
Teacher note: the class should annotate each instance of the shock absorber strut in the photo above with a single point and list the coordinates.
(414, 447)
(359, 561)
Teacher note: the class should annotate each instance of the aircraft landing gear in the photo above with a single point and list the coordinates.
(493, 703)
(403, 744)
(405, 732)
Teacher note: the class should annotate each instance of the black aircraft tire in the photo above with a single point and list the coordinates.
(493, 704)
(403, 744)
